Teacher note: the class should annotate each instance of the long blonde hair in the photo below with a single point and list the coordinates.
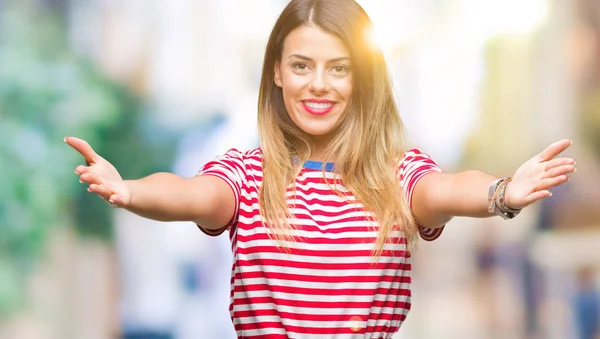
(368, 145)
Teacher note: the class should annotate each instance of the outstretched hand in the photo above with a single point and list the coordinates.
(102, 177)
(535, 177)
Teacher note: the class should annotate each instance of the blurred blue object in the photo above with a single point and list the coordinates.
(586, 306)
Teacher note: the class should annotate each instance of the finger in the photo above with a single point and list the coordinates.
(559, 162)
(560, 170)
(83, 148)
(553, 150)
(116, 201)
(539, 195)
(548, 183)
(91, 178)
(81, 169)
(102, 190)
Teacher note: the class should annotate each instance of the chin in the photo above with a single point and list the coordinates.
(316, 130)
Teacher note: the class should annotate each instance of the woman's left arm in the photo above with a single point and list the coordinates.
(438, 197)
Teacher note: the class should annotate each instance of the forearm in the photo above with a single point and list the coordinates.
(163, 197)
(466, 194)
(437, 197)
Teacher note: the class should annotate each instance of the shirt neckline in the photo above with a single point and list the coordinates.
(318, 165)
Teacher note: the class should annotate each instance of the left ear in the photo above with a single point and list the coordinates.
(277, 78)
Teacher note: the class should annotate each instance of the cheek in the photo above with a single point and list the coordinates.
(348, 94)
(345, 88)
(289, 96)
(292, 83)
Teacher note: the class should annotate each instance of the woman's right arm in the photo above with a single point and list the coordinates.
(205, 200)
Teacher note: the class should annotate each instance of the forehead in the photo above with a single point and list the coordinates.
(314, 43)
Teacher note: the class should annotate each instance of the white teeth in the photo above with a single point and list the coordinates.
(315, 105)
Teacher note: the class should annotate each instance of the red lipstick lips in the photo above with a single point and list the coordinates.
(318, 106)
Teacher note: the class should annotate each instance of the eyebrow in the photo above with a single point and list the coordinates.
(305, 58)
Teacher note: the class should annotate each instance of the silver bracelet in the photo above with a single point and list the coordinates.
(496, 200)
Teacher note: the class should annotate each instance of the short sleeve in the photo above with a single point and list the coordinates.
(231, 169)
(413, 167)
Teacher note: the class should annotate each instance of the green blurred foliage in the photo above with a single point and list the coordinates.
(47, 92)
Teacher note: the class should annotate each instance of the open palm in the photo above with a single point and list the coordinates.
(532, 181)
(102, 177)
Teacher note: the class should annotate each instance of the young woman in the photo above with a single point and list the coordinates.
(322, 216)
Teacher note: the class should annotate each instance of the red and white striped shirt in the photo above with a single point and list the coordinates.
(327, 283)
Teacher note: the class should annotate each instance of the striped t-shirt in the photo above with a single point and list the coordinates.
(326, 283)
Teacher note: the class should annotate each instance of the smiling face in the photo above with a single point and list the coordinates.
(315, 77)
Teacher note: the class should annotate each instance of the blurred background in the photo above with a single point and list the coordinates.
(166, 85)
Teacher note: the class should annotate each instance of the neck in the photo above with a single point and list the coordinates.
(318, 154)
(320, 143)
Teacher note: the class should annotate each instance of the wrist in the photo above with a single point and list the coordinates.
(508, 203)
(497, 199)
(130, 187)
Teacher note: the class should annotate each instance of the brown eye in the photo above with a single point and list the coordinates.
(340, 70)
(299, 66)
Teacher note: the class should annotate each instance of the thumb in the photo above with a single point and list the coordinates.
(116, 200)
(83, 148)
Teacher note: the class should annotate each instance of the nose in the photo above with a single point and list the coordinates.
(319, 83)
